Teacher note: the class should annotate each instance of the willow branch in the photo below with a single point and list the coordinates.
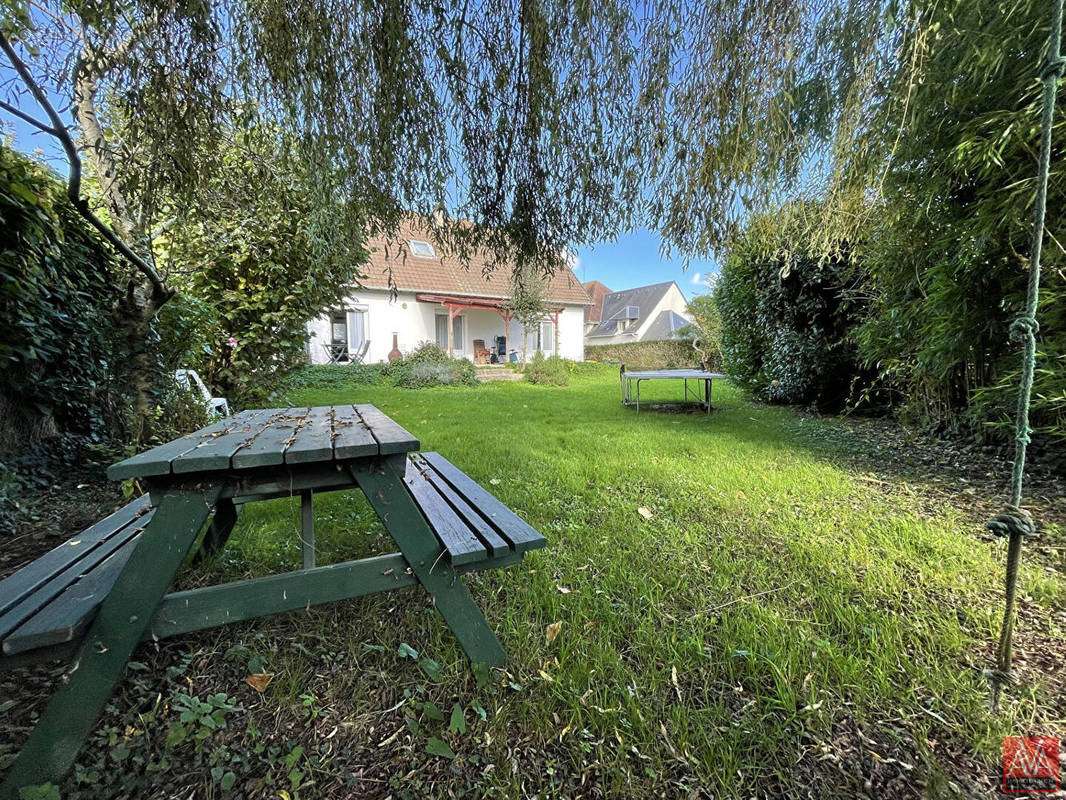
(29, 120)
(59, 130)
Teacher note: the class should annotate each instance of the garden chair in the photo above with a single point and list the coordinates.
(190, 379)
(358, 357)
(481, 353)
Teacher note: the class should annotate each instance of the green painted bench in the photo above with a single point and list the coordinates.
(93, 598)
(473, 527)
(46, 606)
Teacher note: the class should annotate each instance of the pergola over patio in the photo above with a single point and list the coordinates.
(457, 303)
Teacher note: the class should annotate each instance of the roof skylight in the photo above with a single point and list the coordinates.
(423, 249)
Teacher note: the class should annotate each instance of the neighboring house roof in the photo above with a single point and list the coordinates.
(597, 291)
(665, 326)
(440, 273)
(632, 306)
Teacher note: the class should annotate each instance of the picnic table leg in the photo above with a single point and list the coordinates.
(222, 523)
(123, 617)
(384, 488)
(307, 529)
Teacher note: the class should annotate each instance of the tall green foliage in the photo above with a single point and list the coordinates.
(787, 316)
(57, 343)
(946, 266)
(705, 331)
(254, 272)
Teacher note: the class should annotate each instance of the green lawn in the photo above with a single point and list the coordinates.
(779, 626)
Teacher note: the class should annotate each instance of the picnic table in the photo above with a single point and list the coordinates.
(631, 381)
(106, 590)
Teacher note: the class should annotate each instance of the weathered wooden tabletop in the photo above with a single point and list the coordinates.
(271, 437)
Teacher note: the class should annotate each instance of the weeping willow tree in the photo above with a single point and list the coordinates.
(521, 127)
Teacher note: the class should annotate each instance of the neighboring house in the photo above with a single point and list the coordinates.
(597, 291)
(436, 296)
(645, 314)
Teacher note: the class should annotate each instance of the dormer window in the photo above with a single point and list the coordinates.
(624, 318)
(422, 249)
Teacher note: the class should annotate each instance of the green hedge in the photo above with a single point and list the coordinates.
(673, 354)
(58, 343)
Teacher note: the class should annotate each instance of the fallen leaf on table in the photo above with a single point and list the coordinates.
(552, 632)
(645, 512)
(260, 681)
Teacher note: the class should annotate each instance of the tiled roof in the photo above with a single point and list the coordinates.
(440, 273)
(597, 291)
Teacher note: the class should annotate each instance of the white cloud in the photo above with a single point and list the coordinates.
(696, 278)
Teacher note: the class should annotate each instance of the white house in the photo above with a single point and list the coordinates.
(434, 292)
(645, 314)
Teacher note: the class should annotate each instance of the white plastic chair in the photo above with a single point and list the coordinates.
(190, 379)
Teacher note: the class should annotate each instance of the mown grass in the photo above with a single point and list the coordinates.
(776, 627)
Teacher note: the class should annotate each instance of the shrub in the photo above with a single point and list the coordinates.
(430, 374)
(178, 411)
(787, 320)
(428, 353)
(429, 365)
(704, 333)
(551, 371)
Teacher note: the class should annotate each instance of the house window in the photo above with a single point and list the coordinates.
(339, 328)
(356, 330)
(547, 337)
(423, 249)
(457, 332)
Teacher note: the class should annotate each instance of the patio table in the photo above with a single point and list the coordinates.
(255, 455)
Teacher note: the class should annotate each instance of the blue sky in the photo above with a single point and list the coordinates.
(634, 260)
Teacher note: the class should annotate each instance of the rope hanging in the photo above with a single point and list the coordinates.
(1013, 521)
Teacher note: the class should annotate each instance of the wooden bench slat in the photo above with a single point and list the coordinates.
(352, 438)
(458, 540)
(215, 452)
(268, 447)
(485, 532)
(513, 528)
(49, 590)
(62, 619)
(17, 587)
(314, 439)
(157, 460)
(391, 437)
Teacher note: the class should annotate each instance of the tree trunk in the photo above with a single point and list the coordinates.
(134, 313)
